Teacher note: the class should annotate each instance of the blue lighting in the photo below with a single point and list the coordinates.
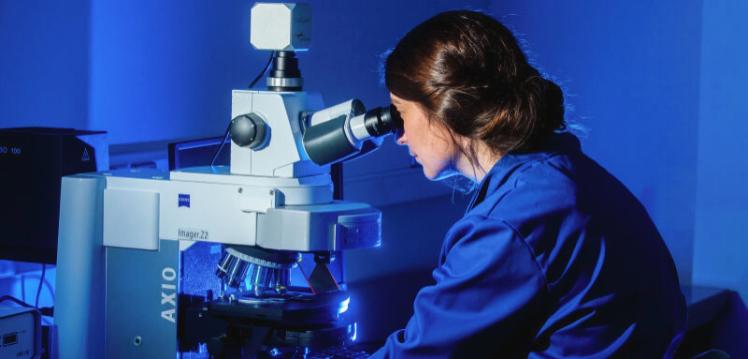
(354, 335)
(344, 306)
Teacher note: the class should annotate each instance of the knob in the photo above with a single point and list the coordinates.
(249, 130)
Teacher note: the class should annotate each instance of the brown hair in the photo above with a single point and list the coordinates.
(468, 72)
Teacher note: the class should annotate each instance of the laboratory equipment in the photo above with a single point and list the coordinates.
(33, 161)
(242, 260)
(20, 332)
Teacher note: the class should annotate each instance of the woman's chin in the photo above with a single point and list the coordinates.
(440, 175)
(428, 174)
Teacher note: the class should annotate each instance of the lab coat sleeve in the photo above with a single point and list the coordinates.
(487, 299)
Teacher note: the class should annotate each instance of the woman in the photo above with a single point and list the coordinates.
(554, 256)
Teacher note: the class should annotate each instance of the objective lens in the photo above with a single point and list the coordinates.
(259, 269)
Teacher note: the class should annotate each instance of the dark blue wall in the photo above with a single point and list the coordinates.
(660, 88)
(163, 70)
(44, 63)
(721, 245)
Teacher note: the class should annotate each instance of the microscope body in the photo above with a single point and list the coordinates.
(283, 156)
(127, 238)
(223, 260)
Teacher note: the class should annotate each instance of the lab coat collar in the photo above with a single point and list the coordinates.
(559, 143)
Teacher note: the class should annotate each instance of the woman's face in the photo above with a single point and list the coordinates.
(428, 141)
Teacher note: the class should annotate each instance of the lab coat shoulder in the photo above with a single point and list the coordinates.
(480, 241)
(488, 296)
(536, 198)
(547, 205)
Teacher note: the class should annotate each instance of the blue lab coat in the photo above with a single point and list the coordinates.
(553, 258)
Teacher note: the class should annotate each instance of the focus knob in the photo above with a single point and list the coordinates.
(249, 130)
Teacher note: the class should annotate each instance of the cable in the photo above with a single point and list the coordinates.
(41, 282)
(44, 280)
(15, 300)
(228, 128)
(264, 69)
(223, 142)
(23, 287)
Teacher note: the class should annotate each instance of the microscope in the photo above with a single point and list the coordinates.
(226, 261)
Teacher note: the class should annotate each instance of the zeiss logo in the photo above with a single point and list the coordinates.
(184, 200)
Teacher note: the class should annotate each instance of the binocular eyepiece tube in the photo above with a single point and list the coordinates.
(345, 131)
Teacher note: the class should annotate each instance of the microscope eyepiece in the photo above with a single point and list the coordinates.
(382, 121)
(328, 142)
(345, 131)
